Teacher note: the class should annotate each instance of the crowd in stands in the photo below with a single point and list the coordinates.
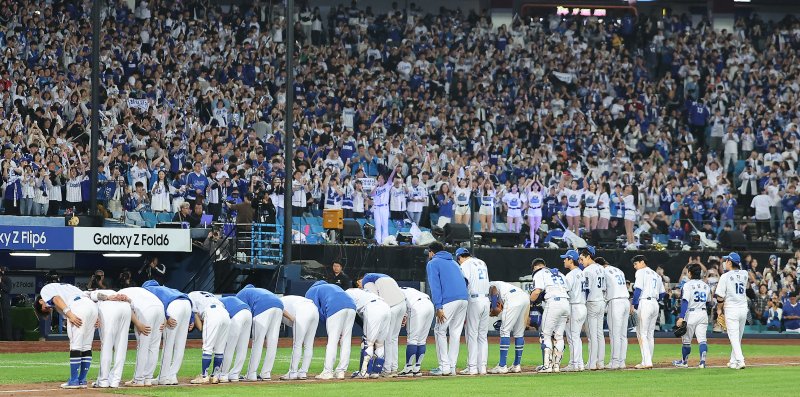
(638, 124)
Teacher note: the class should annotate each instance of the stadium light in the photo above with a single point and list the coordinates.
(122, 255)
(23, 253)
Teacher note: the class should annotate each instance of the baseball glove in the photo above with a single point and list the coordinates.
(497, 325)
(721, 323)
(679, 331)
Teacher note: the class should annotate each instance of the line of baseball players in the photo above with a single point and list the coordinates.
(461, 295)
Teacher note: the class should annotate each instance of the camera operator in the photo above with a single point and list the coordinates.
(125, 279)
(152, 270)
(217, 245)
(264, 209)
(98, 281)
(5, 305)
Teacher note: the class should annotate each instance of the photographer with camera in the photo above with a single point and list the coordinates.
(98, 281)
(125, 279)
(5, 304)
(152, 270)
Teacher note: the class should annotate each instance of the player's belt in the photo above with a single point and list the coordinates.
(590, 206)
(648, 299)
(480, 295)
(574, 206)
(514, 208)
(463, 205)
(374, 300)
(535, 208)
(602, 208)
(212, 307)
(556, 299)
(380, 205)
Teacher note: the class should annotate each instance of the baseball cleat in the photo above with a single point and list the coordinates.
(417, 374)
(390, 374)
(467, 371)
(545, 369)
(701, 365)
(680, 364)
(436, 372)
(406, 372)
(515, 369)
(150, 382)
(499, 370)
(223, 379)
(215, 380)
(265, 377)
(739, 365)
(71, 385)
(569, 368)
(374, 376)
(325, 376)
(302, 376)
(731, 365)
(200, 380)
(339, 375)
(235, 379)
(642, 366)
(359, 375)
(289, 376)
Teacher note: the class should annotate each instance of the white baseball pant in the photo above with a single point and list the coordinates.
(340, 331)
(396, 314)
(115, 320)
(236, 344)
(455, 313)
(377, 323)
(266, 330)
(577, 316)
(418, 325)
(147, 345)
(696, 326)
(175, 339)
(594, 334)
(735, 320)
(618, 313)
(216, 322)
(476, 329)
(513, 316)
(80, 338)
(647, 313)
(554, 321)
(381, 215)
(304, 329)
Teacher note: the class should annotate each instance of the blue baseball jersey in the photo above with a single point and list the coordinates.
(259, 299)
(329, 298)
(445, 280)
(372, 277)
(165, 294)
(233, 305)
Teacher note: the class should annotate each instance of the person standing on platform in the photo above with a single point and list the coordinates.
(380, 207)
(477, 276)
(449, 297)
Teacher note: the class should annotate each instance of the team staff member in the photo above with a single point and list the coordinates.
(731, 294)
(267, 310)
(418, 324)
(695, 296)
(338, 276)
(238, 338)
(339, 312)
(477, 276)
(81, 315)
(449, 297)
(550, 282)
(211, 318)
(618, 311)
(149, 311)
(178, 312)
(648, 290)
(512, 305)
(595, 307)
(577, 288)
(387, 288)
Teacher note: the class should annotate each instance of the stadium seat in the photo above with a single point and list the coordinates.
(150, 219)
(165, 217)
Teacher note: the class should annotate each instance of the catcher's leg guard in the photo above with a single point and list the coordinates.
(557, 355)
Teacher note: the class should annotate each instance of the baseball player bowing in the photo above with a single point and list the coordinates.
(648, 290)
(267, 310)
(303, 317)
(114, 312)
(213, 320)
(595, 308)
(81, 315)
(238, 338)
(618, 312)
(375, 313)
(149, 313)
(695, 297)
(477, 276)
(387, 288)
(178, 313)
(418, 323)
(550, 282)
(339, 312)
(731, 293)
(511, 304)
(577, 288)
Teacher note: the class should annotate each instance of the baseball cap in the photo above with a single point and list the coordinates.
(734, 257)
(571, 254)
(462, 252)
(773, 256)
(591, 250)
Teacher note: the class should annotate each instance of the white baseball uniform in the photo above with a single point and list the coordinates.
(516, 303)
(238, 338)
(618, 309)
(651, 286)
(150, 312)
(115, 320)
(80, 338)
(216, 322)
(376, 314)
(577, 286)
(304, 328)
(556, 312)
(418, 323)
(732, 287)
(697, 295)
(387, 288)
(477, 276)
(595, 308)
(175, 340)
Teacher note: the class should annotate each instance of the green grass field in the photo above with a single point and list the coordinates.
(31, 368)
